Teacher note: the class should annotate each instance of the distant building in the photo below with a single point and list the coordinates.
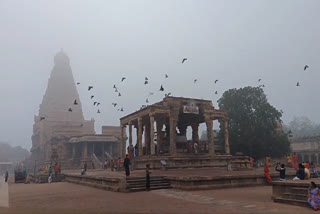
(60, 132)
(307, 148)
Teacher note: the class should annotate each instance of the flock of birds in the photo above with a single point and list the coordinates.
(146, 82)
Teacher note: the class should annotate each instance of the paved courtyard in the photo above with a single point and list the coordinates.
(72, 198)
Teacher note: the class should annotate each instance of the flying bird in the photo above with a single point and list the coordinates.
(70, 110)
(42, 118)
(194, 81)
(146, 82)
(75, 102)
(114, 104)
(121, 109)
(98, 111)
(161, 88)
(98, 104)
(90, 87)
(216, 81)
(259, 80)
(78, 83)
(216, 92)
(305, 67)
(151, 93)
(146, 78)
(94, 103)
(114, 86)
(123, 78)
(119, 95)
(166, 76)
(116, 90)
(298, 84)
(92, 96)
(184, 59)
(147, 100)
(166, 95)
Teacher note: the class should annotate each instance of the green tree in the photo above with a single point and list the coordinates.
(253, 123)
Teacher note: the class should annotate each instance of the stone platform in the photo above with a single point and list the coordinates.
(292, 192)
(192, 161)
(184, 179)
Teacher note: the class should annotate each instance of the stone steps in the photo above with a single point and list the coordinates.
(301, 203)
(139, 183)
(289, 195)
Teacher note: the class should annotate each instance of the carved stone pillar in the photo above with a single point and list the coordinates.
(152, 146)
(130, 134)
(226, 137)
(159, 134)
(85, 150)
(195, 132)
(173, 125)
(147, 138)
(209, 123)
(140, 136)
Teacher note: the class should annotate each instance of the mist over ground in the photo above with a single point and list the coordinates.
(237, 42)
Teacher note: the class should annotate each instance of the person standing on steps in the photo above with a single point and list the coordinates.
(148, 172)
(126, 165)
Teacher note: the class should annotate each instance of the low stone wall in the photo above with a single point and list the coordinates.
(111, 184)
(44, 178)
(220, 182)
(192, 161)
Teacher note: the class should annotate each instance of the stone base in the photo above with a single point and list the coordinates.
(192, 161)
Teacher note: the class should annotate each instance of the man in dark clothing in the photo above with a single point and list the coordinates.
(300, 173)
(126, 165)
(282, 171)
(148, 177)
(85, 166)
(6, 176)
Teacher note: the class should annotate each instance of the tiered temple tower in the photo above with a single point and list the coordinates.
(55, 121)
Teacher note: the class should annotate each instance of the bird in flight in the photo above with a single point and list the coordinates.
(216, 81)
(121, 109)
(161, 88)
(90, 87)
(119, 95)
(75, 102)
(70, 110)
(123, 78)
(147, 100)
(94, 103)
(216, 92)
(114, 104)
(194, 81)
(166, 76)
(151, 93)
(184, 59)
(298, 84)
(305, 67)
(259, 80)
(98, 104)
(42, 118)
(98, 111)
(114, 86)
(116, 90)
(146, 82)
(92, 96)
(166, 95)
(78, 83)
(146, 78)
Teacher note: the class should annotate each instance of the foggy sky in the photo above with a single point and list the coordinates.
(236, 41)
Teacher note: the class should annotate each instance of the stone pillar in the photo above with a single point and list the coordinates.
(226, 137)
(152, 146)
(130, 134)
(93, 148)
(195, 132)
(73, 150)
(85, 150)
(159, 135)
(140, 136)
(173, 125)
(209, 123)
(123, 141)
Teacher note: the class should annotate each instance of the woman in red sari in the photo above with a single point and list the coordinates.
(267, 173)
(295, 160)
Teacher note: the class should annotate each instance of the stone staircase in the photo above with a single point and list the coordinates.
(135, 184)
(294, 196)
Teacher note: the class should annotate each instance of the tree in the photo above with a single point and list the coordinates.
(253, 123)
(303, 127)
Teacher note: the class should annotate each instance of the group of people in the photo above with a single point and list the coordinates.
(56, 169)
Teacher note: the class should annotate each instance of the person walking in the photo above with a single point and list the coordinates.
(126, 165)
(119, 163)
(6, 176)
(148, 172)
(56, 170)
(85, 166)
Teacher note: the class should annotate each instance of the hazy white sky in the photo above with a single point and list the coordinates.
(234, 41)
